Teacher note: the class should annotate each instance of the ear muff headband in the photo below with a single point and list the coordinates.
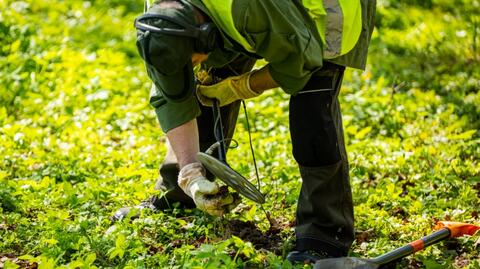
(187, 31)
(205, 35)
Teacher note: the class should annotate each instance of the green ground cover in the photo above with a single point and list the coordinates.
(78, 140)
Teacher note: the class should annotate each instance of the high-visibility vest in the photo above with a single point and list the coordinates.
(339, 23)
(221, 12)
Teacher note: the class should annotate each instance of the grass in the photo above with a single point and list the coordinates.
(78, 140)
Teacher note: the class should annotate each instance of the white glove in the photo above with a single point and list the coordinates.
(206, 194)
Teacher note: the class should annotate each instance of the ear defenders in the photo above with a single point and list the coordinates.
(204, 36)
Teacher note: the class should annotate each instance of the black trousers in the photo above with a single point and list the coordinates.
(324, 217)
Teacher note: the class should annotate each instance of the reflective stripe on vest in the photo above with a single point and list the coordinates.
(221, 12)
(339, 24)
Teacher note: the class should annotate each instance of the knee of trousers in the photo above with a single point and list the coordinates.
(313, 129)
(168, 175)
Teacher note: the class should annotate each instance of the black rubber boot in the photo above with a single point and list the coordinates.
(172, 194)
(167, 183)
(306, 257)
(324, 211)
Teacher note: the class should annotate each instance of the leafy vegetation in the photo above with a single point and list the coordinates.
(78, 140)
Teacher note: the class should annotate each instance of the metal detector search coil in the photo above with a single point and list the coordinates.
(230, 177)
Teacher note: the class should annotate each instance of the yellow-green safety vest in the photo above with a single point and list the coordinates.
(339, 23)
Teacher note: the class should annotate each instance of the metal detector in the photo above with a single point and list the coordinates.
(220, 168)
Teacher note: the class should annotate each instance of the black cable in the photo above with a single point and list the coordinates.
(215, 145)
(249, 134)
(267, 214)
(215, 129)
(218, 136)
(251, 144)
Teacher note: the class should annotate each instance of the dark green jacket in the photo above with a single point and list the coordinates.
(282, 32)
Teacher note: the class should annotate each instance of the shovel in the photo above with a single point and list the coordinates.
(445, 229)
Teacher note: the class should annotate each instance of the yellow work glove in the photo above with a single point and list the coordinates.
(227, 91)
(207, 195)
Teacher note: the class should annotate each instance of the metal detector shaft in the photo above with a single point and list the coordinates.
(219, 166)
(146, 6)
(218, 129)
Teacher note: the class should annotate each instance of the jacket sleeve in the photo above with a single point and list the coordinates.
(282, 34)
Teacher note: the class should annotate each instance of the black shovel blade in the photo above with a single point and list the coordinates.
(345, 263)
(231, 177)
